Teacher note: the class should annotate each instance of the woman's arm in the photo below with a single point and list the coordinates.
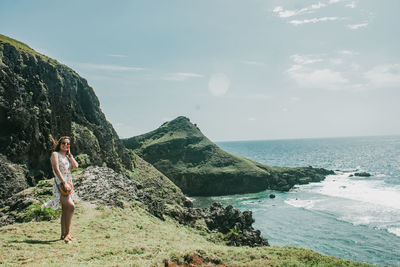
(54, 164)
(73, 161)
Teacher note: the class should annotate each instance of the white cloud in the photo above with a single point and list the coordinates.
(306, 73)
(357, 26)
(351, 5)
(348, 52)
(341, 71)
(116, 55)
(384, 75)
(255, 63)
(334, 1)
(318, 6)
(355, 67)
(305, 59)
(106, 67)
(180, 76)
(318, 78)
(313, 20)
(284, 13)
(336, 61)
(252, 119)
(252, 96)
(218, 84)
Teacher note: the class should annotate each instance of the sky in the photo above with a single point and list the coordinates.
(240, 70)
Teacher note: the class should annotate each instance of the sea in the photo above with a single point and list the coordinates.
(351, 217)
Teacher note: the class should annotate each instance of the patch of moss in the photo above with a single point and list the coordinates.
(44, 183)
(35, 213)
(76, 170)
(83, 160)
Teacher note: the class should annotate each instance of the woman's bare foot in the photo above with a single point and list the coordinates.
(69, 237)
(66, 240)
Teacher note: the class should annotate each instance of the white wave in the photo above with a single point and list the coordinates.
(394, 230)
(359, 220)
(301, 203)
(371, 191)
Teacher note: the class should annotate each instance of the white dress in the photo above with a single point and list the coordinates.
(65, 169)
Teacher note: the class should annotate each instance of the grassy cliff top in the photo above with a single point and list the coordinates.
(132, 237)
(20, 46)
(181, 132)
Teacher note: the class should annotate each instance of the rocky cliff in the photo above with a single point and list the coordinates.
(199, 167)
(39, 97)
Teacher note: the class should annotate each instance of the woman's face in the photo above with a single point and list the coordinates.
(65, 143)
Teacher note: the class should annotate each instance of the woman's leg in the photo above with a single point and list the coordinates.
(68, 208)
(63, 221)
(69, 214)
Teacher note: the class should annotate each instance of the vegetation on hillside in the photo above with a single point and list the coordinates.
(23, 47)
(199, 167)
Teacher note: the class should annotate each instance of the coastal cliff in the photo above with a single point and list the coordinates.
(40, 97)
(128, 212)
(201, 168)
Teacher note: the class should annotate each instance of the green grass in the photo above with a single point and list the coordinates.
(132, 237)
(23, 47)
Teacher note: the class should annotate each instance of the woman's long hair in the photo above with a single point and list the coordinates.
(57, 144)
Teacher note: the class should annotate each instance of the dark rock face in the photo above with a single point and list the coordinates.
(13, 209)
(39, 97)
(200, 168)
(12, 178)
(236, 225)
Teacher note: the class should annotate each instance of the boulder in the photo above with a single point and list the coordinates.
(362, 174)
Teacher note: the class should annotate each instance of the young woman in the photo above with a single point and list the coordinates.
(62, 162)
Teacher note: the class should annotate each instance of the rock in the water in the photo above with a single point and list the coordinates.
(362, 174)
(272, 196)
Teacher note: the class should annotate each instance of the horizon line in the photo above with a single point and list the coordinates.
(308, 138)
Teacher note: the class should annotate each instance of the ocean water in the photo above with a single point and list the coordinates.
(355, 218)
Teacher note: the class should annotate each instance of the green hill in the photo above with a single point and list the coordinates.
(199, 167)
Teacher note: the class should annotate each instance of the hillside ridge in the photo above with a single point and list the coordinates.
(200, 168)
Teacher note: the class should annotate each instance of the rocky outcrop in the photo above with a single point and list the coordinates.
(39, 97)
(12, 178)
(199, 167)
(362, 174)
(98, 185)
(236, 225)
(102, 185)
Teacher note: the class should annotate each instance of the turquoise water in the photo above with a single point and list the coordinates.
(349, 217)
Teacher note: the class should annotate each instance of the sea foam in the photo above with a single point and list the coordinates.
(302, 203)
(371, 191)
(394, 230)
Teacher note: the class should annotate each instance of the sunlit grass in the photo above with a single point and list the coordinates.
(131, 236)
